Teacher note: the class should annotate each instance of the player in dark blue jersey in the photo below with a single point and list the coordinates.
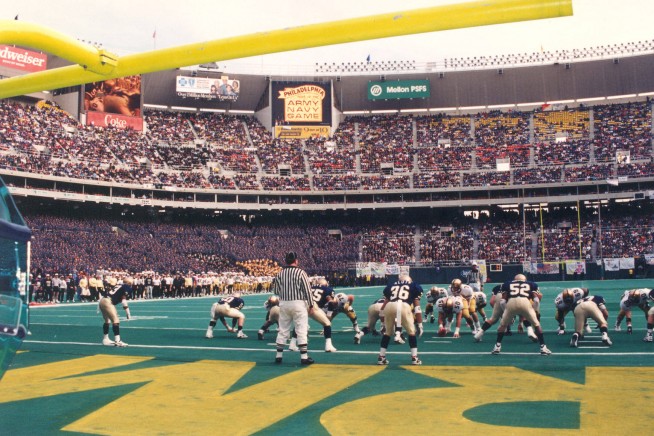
(518, 295)
(402, 307)
(591, 306)
(227, 307)
(110, 298)
(373, 316)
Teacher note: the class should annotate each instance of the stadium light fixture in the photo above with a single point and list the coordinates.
(413, 110)
(442, 109)
(155, 106)
(354, 112)
(94, 64)
(618, 97)
(238, 111)
(561, 101)
(384, 111)
(471, 108)
(501, 106)
(208, 109)
(645, 94)
(533, 103)
(585, 100)
(184, 108)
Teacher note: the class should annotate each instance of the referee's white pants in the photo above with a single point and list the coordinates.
(291, 313)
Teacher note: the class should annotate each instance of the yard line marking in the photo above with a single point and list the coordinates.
(375, 352)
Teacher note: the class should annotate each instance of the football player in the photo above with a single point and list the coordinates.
(458, 289)
(590, 307)
(565, 302)
(498, 309)
(373, 317)
(228, 307)
(343, 304)
(518, 295)
(109, 299)
(650, 320)
(272, 315)
(449, 309)
(630, 299)
(323, 298)
(435, 293)
(480, 303)
(402, 306)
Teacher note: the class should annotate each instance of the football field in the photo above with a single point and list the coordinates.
(171, 380)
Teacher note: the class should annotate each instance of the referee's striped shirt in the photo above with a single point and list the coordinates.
(292, 283)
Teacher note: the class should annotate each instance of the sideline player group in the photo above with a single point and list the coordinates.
(515, 302)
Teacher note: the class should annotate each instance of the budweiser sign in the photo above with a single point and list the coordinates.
(105, 119)
(21, 59)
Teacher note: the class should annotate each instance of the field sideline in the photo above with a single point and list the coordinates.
(171, 380)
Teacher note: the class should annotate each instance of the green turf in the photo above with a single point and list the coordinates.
(172, 331)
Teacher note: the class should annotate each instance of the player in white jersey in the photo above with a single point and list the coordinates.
(374, 315)
(633, 298)
(434, 294)
(344, 304)
(480, 303)
(565, 302)
(458, 289)
(272, 315)
(449, 309)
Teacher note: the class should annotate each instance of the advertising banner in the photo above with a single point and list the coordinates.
(627, 263)
(301, 103)
(104, 119)
(302, 131)
(575, 267)
(544, 268)
(397, 89)
(116, 96)
(21, 59)
(612, 264)
(222, 89)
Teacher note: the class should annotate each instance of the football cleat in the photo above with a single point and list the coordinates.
(209, 335)
(357, 338)
(120, 344)
(398, 339)
(496, 349)
(260, 335)
(508, 333)
(432, 319)
(307, 361)
(648, 338)
(617, 328)
(415, 360)
(544, 351)
(606, 340)
(560, 332)
(588, 329)
(278, 360)
(241, 335)
(531, 334)
(329, 349)
(293, 347)
(108, 342)
(574, 341)
(629, 330)
(479, 335)
(381, 360)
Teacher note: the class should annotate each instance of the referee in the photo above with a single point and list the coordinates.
(295, 304)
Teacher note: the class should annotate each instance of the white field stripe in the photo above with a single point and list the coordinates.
(375, 352)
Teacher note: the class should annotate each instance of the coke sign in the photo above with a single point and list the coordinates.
(104, 119)
(21, 59)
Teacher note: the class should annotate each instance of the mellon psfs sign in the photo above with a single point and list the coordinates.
(396, 89)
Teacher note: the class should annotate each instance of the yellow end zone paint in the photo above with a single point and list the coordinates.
(190, 398)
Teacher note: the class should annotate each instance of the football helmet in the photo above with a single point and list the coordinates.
(449, 304)
(634, 296)
(323, 282)
(273, 300)
(405, 278)
(520, 278)
(568, 296)
(456, 283)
